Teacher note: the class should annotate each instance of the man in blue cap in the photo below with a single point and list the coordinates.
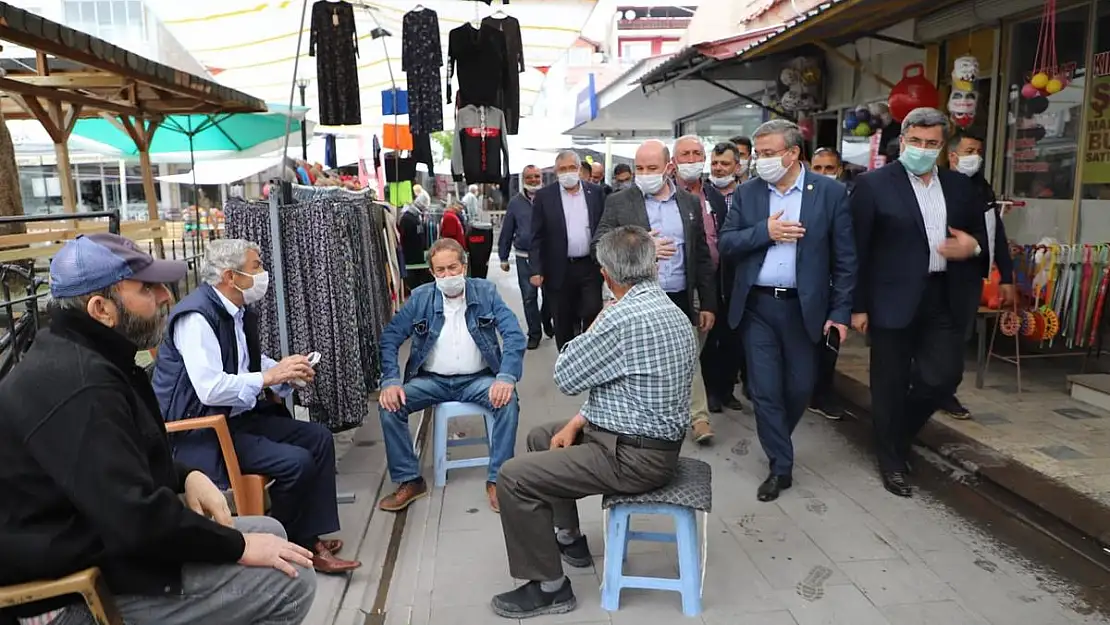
(88, 479)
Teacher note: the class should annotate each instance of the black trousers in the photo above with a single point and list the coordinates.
(577, 301)
(722, 358)
(913, 369)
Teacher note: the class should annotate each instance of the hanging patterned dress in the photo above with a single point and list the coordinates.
(421, 58)
(334, 43)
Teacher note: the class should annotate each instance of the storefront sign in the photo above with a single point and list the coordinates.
(1096, 170)
(585, 108)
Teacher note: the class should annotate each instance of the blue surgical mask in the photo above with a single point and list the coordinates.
(918, 161)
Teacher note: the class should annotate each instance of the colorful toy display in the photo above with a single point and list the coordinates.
(964, 99)
(1047, 76)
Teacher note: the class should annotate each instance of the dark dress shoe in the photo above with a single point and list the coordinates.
(530, 600)
(734, 404)
(325, 561)
(577, 554)
(771, 487)
(533, 343)
(549, 330)
(895, 482)
(715, 405)
(333, 545)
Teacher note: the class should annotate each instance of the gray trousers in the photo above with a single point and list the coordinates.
(227, 594)
(539, 491)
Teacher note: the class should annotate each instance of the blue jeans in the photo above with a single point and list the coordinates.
(534, 315)
(429, 389)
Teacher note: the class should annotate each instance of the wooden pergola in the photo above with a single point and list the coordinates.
(74, 75)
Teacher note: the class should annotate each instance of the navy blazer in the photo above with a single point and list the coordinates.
(825, 255)
(894, 249)
(548, 256)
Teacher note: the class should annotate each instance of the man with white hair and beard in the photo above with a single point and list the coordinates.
(88, 479)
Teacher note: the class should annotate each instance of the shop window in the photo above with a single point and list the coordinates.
(635, 50)
(1094, 206)
(1042, 142)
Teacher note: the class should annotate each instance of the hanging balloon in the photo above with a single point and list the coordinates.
(863, 114)
(792, 101)
(965, 71)
(790, 77)
(1028, 91)
(962, 106)
(1054, 86)
(862, 130)
(811, 75)
(1037, 105)
(806, 125)
(880, 113)
(850, 121)
(913, 91)
(1039, 80)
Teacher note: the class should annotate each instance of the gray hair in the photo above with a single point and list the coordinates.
(81, 302)
(224, 254)
(790, 132)
(694, 138)
(925, 117)
(627, 254)
(565, 154)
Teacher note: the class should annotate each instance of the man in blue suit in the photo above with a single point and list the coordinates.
(789, 233)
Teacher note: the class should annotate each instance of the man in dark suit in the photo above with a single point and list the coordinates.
(656, 203)
(790, 234)
(565, 215)
(919, 232)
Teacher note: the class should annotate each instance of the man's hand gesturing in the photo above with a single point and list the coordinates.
(784, 231)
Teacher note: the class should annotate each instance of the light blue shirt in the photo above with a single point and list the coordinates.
(664, 216)
(780, 265)
(201, 352)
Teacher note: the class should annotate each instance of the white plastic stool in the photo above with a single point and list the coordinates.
(443, 414)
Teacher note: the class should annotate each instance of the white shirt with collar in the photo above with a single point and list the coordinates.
(934, 211)
(455, 352)
(201, 352)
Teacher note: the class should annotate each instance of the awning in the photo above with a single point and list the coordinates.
(831, 23)
(225, 171)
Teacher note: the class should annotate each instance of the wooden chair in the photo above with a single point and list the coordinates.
(88, 583)
(248, 491)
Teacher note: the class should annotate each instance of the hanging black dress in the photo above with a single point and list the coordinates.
(334, 43)
(482, 61)
(515, 51)
(421, 58)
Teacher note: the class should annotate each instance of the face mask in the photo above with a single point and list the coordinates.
(650, 184)
(690, 172)
(621, 186)
(918, 160)
(969, 165)
(770, 169)
(451, 286)
(569, 180)
(742, 169)
(257, 290)
(721, 183)
(532, 188)
(831, 176)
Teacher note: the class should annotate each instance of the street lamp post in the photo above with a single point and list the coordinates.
(302, 84)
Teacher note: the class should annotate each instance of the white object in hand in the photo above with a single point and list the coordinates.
(313, 360)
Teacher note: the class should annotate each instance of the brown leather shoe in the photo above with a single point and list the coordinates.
(404, 495)
(325, 561)
(333, 545)
(491, 495)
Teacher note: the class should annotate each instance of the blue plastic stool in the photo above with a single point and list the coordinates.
(690, 492)
(445, 412)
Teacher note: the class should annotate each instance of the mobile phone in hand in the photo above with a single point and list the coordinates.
(832, 340)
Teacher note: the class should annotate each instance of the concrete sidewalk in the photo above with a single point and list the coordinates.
(835, 549)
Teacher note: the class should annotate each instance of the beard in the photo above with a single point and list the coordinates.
(144, 332)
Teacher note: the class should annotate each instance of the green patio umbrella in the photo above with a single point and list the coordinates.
(225, 133)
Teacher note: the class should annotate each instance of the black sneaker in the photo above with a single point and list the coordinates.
(714, 404)
(533, 343)
(734, 404)
(548, 329)
(953, 408)
(830, 408)
(577, 554)
(530, 600)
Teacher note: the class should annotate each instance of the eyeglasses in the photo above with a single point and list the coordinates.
(921, 143)
(770, 153)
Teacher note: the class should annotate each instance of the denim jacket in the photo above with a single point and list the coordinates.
(422, 319)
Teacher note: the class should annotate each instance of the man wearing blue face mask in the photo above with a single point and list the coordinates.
(919, 231)
(467, 346)
(210, 363)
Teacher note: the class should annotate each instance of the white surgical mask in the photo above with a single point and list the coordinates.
(969, 164)
(569, 180)
(451, 286)
(831, 176)
(722, 182)
(742, 168)
(257, 290)
(650, 184)
(690, 172)
(532, 188)
(770, 169)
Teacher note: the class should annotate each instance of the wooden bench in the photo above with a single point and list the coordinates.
(88, 583)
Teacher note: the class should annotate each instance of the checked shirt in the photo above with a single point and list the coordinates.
(637, 362)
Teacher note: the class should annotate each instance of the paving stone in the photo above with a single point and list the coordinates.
(1076, 413)
(835, 605)
(782, 552)
(1061, 452)
(933, 613)
(781, 617)
(890, 582)
(989, 418)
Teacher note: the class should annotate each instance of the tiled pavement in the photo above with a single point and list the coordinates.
(1042, 430)
(834, 550)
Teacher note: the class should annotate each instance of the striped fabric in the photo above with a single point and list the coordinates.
(930, 201)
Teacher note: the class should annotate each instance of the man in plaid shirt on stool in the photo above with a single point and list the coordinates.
(637, 363)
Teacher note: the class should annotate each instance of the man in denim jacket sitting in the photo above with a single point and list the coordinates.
(455, 356)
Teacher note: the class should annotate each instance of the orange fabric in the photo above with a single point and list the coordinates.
(396, 137)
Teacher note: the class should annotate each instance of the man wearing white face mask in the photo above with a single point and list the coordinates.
(744, 147)
(210, 363)
(965, 155)
(675, 218)
(790, 235)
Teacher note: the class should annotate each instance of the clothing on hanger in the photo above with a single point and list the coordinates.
(331, 159)
(399, 168)
(421, 58)
(482, 60)
(377, 152)
(514, 48)
(481, 152)
(395, 102)
(396, 137)
(422, 152)
(334, 42)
